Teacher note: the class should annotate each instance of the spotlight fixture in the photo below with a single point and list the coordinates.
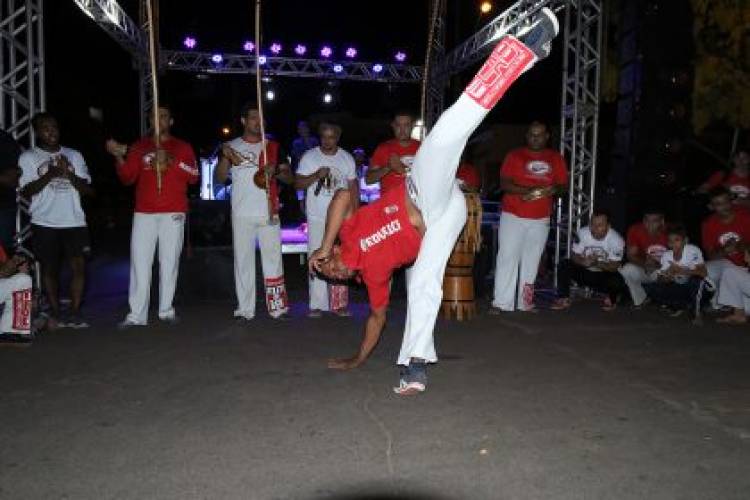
(300, 50)
(276, 48)
(190, 42)
(377, 68)
(217, 58)
(337, 68)
(326, 51)
(248, 46)
(400, 56)
(351, 52)
(270, 95)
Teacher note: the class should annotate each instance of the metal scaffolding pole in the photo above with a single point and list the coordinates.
(435, 83)
(579, 120)
(21, 66)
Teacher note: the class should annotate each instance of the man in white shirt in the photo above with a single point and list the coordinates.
(55, 177)
(322, 171)
(255, 214)
(680, 278)
(734, 292)
(594, 262)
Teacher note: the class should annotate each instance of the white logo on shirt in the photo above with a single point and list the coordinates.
(57, 184)
(740, 191)
(391, 209)
(726, 237)
(538, 168)
(656, 251)
(380, 235)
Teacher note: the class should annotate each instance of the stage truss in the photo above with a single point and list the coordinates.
(23, 76)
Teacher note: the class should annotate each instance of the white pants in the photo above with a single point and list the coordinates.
(716, 269)
(735, 288)
(444, 212)
(520, 244)
(15, 295)
(167, 230)
(320, 289)
(635, 276)
(245, 231)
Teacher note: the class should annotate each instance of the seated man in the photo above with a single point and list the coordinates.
(15, 296)
(421, 217)
(680, 281)
(646, 242)
(594, 262)
(735, 293)
(725, 236)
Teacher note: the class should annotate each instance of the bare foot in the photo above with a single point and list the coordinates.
(344, 363)
(733, 319)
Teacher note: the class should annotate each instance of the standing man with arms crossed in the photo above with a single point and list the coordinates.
(255, 215)
(323, 171)
(531, 178)
(54, 178)
(159, 217)
(423, 221)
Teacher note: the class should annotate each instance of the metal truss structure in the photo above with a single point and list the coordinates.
(21, 66)
(202, 62)
(579, 114)
(21, 86)
(436, 83)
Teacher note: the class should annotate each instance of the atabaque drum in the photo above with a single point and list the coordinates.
(458, 283)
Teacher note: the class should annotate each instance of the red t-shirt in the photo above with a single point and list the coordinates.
(715, 233)
(383, 153)
(469, 174)
(378, 239)
(532, 169)
(175, 179)
(647, 243)
(739, 186)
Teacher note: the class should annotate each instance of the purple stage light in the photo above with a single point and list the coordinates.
(276, 48)
(189, 42)
(326, 51)
(217, 58)
(337, 68)
(300, 50)
(351, 52)
(400, 56)
(262, 60)
(248, 46)
(377, 68)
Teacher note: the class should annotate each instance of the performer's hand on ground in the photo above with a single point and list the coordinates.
(317, 259)
(344, 363)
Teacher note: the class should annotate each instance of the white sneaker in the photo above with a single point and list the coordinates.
(128, 324)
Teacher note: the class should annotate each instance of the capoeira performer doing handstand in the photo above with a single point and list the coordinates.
(420, 220)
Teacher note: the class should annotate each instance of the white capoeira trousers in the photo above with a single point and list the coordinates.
(433, 175)
(716, 269)
(151, 230)
(735, 288)
(320, 290)
(635, 276)
(15, 295)
(245, 231)
(520, 245)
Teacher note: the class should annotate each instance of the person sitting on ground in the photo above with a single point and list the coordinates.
(594, 262)
(680, 279)
(735, 293)
(15, 296)
(724, 235)
(736, 180)
(646, 242)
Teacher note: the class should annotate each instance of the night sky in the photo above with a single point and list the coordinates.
(85, 68)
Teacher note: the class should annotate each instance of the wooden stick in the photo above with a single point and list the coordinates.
(154, 90)
(259, 97)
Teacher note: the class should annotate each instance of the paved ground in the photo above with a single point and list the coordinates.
(575, 405)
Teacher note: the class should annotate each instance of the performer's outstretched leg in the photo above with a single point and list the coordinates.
(437, 196)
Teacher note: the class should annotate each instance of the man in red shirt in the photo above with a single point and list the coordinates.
(737, 180)
(159, 216)
(15, 295)
(469, 178)
(646, 242)
(725, 236)
(392, 159)
(531, 178)
(420, 219)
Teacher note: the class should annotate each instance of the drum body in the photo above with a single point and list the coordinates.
(458, 283)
